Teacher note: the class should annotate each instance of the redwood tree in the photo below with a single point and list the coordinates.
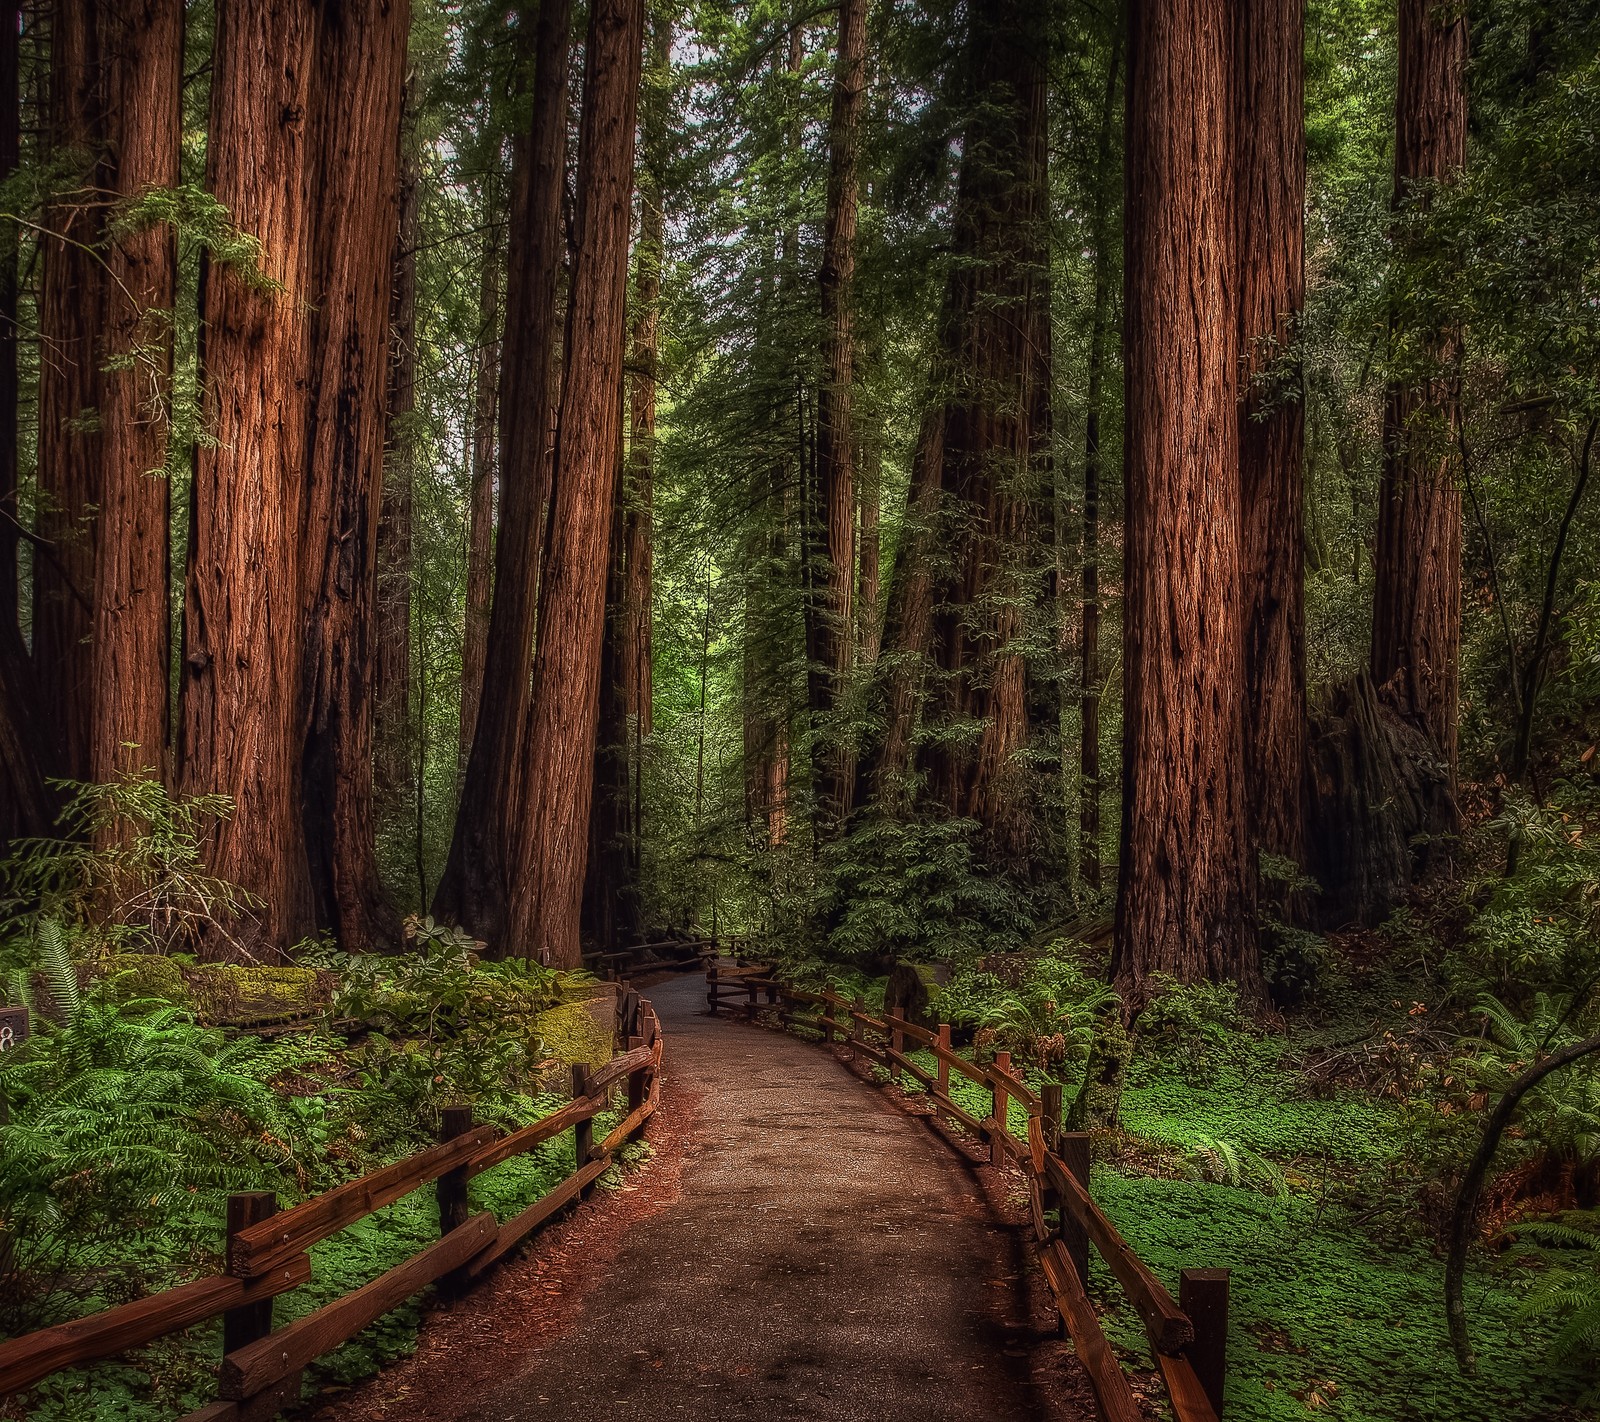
(553, 810)
(1416, 606)
(141, 48)
(1269, 147)
(475, 890)
(239, 719)
(360, 70)
(1184, 902)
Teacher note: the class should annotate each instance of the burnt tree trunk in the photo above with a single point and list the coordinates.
(1269, 148)
(70, 278)
(831, 537)
(1185, 892)
(239, 716)
(360, 73)
(141, 53)
(480, 517)
(1416, 604)
(475, 890)
(553, 830)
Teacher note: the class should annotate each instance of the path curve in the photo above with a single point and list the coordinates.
(825, 1258)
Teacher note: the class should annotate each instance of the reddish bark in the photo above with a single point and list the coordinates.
(1269, 148)
(480, 516)
(475, 890)
(1416, 606)
(1185, 893)
(10, 151)
(361, 61)
(238, 712)
(141, 50)
(559, 748)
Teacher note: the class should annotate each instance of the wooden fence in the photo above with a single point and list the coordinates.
(266, 1252)
(1187, 1335)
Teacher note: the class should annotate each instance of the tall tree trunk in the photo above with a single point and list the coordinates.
(239, 717)
(10, 155)
(559, 748)
(831, 549)
(1416, 603)
(360, 73)
(869, 542)
(475, 890)
(480, 518)
(394, 768)
(1270, 174)
(1184, 901)
(1089, 779)
(996, 432)
(31, 804)
(141, 48)
(69, 390)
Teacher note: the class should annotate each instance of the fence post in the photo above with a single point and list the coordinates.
(897, 1043)
(750, 1001)
(856, 1028)
(1203, 1295)
(711, 988)
(827, 1015)
(636, 1082)
(1050, 1123)
(998, 1111)
(944, 1066)
(252, 1321)
(583, 1132)
(1074, 1152)
(451, 1191)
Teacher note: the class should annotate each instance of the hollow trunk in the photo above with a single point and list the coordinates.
(141, 47)
(1185, 889)
(1269, 139)
(360, 73)
(1416, 604)
(831, 550)
(68, 470)
(475, 889)
(553, 830)
(480, 518)
(239, 712)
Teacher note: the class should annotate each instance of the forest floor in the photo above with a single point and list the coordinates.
(799, 1246)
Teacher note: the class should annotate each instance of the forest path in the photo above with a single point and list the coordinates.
(825, 1257)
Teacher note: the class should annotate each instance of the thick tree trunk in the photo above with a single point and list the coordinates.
(1416, 605)
(558, 781)
(480, 516)
(10, 153)
(869, 543)
(831, 549)
(360, 73)
(1269, 148)
(141, 47)
(1090, 783)
(996, 426)
(1185, 894)
(31, 804)
(475, 889)
(238, 715)
(394, 768)
(69, 462)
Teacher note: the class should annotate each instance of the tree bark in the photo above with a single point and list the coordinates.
(141, 50)
(1185, 888)
(1416, 605)
(10, 154)
(239, 717)
(394, 768)
(475, 890)
(559, 748)
(360, 74)
(832, 541)
(68, 470)
(1269, 148)
(480, 519)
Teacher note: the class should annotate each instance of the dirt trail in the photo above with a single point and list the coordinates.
(807, 1250)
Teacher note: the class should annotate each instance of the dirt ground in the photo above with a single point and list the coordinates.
(800, 1245)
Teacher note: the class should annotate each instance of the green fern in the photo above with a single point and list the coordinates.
(1570, 1291)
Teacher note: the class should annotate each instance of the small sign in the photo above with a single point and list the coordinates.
(14, 1027)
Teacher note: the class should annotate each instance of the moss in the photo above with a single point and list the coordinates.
(130, 976)
(574, 1032)
(229, 994)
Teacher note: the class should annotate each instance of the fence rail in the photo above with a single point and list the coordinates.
(1188, 1335)
(266, 1250)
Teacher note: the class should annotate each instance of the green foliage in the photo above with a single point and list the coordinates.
(1190, 1020)
(1569, 1290)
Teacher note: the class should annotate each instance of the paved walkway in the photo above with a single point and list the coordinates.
(826, 1258)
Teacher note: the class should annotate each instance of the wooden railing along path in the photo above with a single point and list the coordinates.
(266, 1253)
(1188, 1335)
